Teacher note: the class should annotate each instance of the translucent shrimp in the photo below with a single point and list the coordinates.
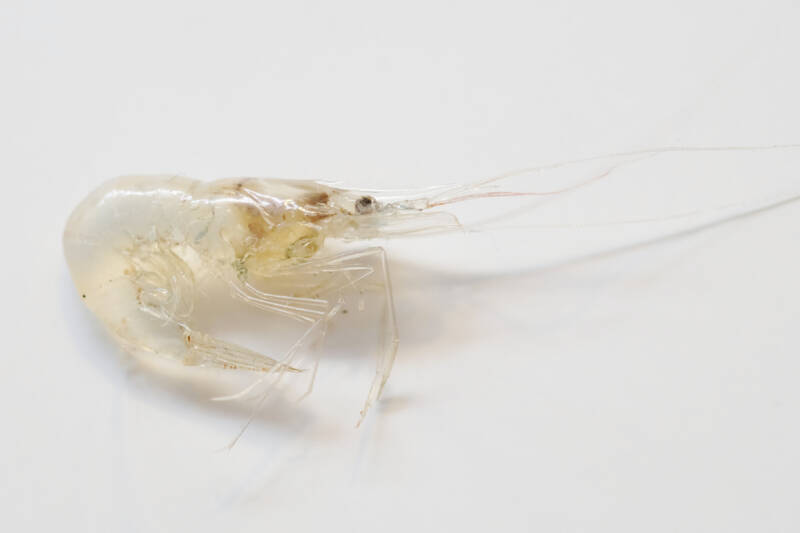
(140, 249)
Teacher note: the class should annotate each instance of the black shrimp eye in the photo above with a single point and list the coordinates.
(366, 205)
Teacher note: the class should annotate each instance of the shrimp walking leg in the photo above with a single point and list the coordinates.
(315, 311)
(327, 279)
(298, 308)
(361, 269)
(312, 334)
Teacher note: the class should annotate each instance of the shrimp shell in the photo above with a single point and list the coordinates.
(140, 247)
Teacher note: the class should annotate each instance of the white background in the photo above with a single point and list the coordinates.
(541, 384)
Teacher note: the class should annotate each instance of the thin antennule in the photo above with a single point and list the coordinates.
(472, 190)
(722, 212)
(505, 194)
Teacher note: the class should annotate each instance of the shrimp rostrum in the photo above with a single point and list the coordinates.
(141, 248)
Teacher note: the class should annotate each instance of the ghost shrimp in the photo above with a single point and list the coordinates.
(140, 248)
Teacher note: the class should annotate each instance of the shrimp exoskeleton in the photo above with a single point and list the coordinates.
(140, 247)
(137, 245)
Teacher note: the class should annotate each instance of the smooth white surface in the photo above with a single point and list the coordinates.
(653, 389)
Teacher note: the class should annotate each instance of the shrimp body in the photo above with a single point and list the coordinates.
(139, 248)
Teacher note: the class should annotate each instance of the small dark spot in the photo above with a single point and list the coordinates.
(344, 311)
(83, 296)
(366, 205)
(315, 198)
(256, 229)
